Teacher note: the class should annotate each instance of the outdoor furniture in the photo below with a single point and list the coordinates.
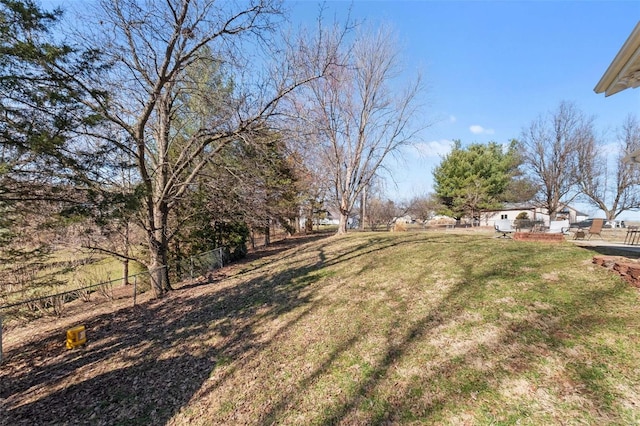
(595, 229)
(504, 226)
(632, 235)
(559, 227)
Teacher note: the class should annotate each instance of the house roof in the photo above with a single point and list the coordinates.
(526, 206)
(624, 71)
(519, 206)
(512, 206)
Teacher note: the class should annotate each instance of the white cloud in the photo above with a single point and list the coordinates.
(452, 119)
(434, 148)
(479, 130)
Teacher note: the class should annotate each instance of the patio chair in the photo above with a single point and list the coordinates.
(595, 229)
(504, 226)
(559, 227)
(632, 234)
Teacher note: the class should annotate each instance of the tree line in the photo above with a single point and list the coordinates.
(559, 158)
(151, 131)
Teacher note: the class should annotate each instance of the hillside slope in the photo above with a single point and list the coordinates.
(369, 328)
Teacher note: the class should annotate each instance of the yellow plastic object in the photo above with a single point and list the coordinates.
(76, 336)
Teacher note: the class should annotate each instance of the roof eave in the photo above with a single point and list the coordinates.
(624, 71)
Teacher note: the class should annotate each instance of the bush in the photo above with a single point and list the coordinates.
(234, 238)
(399, 227)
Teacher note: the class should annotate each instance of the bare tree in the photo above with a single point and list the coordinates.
(424, 207)
(359, 117)
(371, 193)
(311, 169)
(150, 46)
(384, 212)
(313, 189)
(617, 195)
(550, 152)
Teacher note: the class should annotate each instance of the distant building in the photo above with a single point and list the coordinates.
(406, 219)
(536, 214)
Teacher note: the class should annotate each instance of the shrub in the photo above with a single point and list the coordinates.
(399, 227)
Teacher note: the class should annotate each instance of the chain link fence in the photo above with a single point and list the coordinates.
(56, 304)
(199, 265)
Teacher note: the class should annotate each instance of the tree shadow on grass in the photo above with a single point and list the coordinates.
(144, 393)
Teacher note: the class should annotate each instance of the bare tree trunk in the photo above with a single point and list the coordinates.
(159, 275)
(363, 208)
(310, 221)
(267, 235)
(159, 247)
(298, 228)
(344, 216)
(125, 262)
(125, 272)
(342, 225)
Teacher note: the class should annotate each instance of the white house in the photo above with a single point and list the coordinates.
(624, 73)
(512, 211)
(406, 219)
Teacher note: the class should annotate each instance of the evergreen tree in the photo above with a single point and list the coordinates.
(474, 178)
(44, 166)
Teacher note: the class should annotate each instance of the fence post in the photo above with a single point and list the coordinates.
(135, 289)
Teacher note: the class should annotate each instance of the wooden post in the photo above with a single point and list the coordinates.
(0, 339)
(135, 289)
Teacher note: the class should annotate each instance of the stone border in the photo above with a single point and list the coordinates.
(628, 269)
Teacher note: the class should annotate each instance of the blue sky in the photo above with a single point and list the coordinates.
(492, 67)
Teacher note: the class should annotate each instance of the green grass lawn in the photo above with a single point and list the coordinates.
(369, 328)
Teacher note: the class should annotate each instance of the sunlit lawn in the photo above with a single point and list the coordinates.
(377, 328)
